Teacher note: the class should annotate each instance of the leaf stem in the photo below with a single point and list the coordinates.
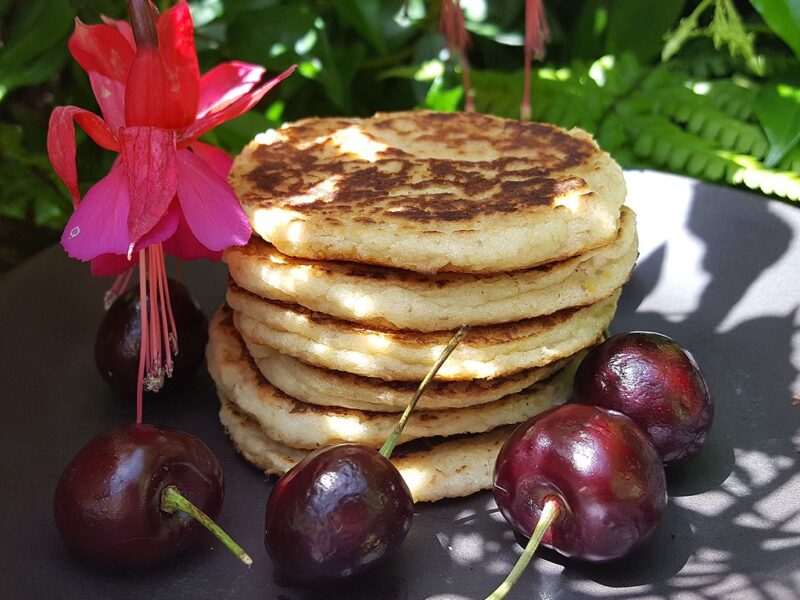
(550, 512)
(391, 441)
(172, 500)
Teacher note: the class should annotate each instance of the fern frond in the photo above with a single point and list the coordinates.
(791, 161)
(562, 97)
(701, 117)
(734, 99)
(753, 174)
(660, 141)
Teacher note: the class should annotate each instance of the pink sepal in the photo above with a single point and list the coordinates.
(176, 47)
(123, 27)
(150, 162)
(225, 84)
(209, 205)
(101, 49)
(231, 111)
(110, 96)
(217, 159)
(61, 142)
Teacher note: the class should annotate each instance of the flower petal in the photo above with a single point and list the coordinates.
(61, 142)
(209, 205)
(217, 159)
(110, 95)
(101, 49)
(100, 223)
(185, 246)
(225, 83)
(233, 110)
(111, 264)
(176, 46)
(150, 162)
(163, 230)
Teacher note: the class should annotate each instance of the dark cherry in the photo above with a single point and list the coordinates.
(108, 502)
(116, 349)
(653, 380)
(600, 470)
(336, 513)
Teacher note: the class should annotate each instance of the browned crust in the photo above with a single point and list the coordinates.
(457, 189)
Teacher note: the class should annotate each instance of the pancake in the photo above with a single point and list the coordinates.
(302, 425)
(326, 387)
(448, 468)
(397, 299)
(430, 192)
(488, 351)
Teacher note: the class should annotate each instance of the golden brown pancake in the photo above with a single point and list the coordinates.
(430, 192)
(433, 468)
(399, 299)
(304, 425)
(488, 351)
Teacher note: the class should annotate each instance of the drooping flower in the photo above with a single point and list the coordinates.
(165, 186)
(166, 191)
(536, 34)
(451, 24)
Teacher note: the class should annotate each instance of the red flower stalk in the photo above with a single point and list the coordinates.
(166, 192)
(451, 24)
(536, 34)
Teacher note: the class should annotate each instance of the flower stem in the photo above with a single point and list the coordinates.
(550, 513)
(172, 500)
(391, 441)
(143, 24)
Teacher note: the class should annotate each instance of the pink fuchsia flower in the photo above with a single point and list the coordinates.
(165, 186)
(166, 190)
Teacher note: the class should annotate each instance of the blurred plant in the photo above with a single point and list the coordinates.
(724, 114)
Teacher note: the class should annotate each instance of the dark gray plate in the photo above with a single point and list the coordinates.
(718, 272)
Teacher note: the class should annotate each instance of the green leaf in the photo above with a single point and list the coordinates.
(783, 17)
(275, 37)
(34, 49)
(590, 28)
(233, 135)
(42, 69)
(365, 18)
(777, 108)
(638, 26)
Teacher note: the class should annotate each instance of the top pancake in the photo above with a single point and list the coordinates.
(430, 192)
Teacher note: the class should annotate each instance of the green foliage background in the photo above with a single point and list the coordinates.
(725, 107)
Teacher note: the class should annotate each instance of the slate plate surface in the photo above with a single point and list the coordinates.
(718, 271)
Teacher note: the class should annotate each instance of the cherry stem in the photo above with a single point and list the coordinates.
(391, 441)
(550, 512)
(172, 500)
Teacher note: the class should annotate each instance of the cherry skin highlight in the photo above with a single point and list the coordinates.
(108, 500)
(598, 465)
(338, 512)
(118, 339)
(651, 379)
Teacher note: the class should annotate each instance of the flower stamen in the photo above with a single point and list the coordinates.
(159, 336)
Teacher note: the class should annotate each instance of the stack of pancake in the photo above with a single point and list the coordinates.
(374, 240)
